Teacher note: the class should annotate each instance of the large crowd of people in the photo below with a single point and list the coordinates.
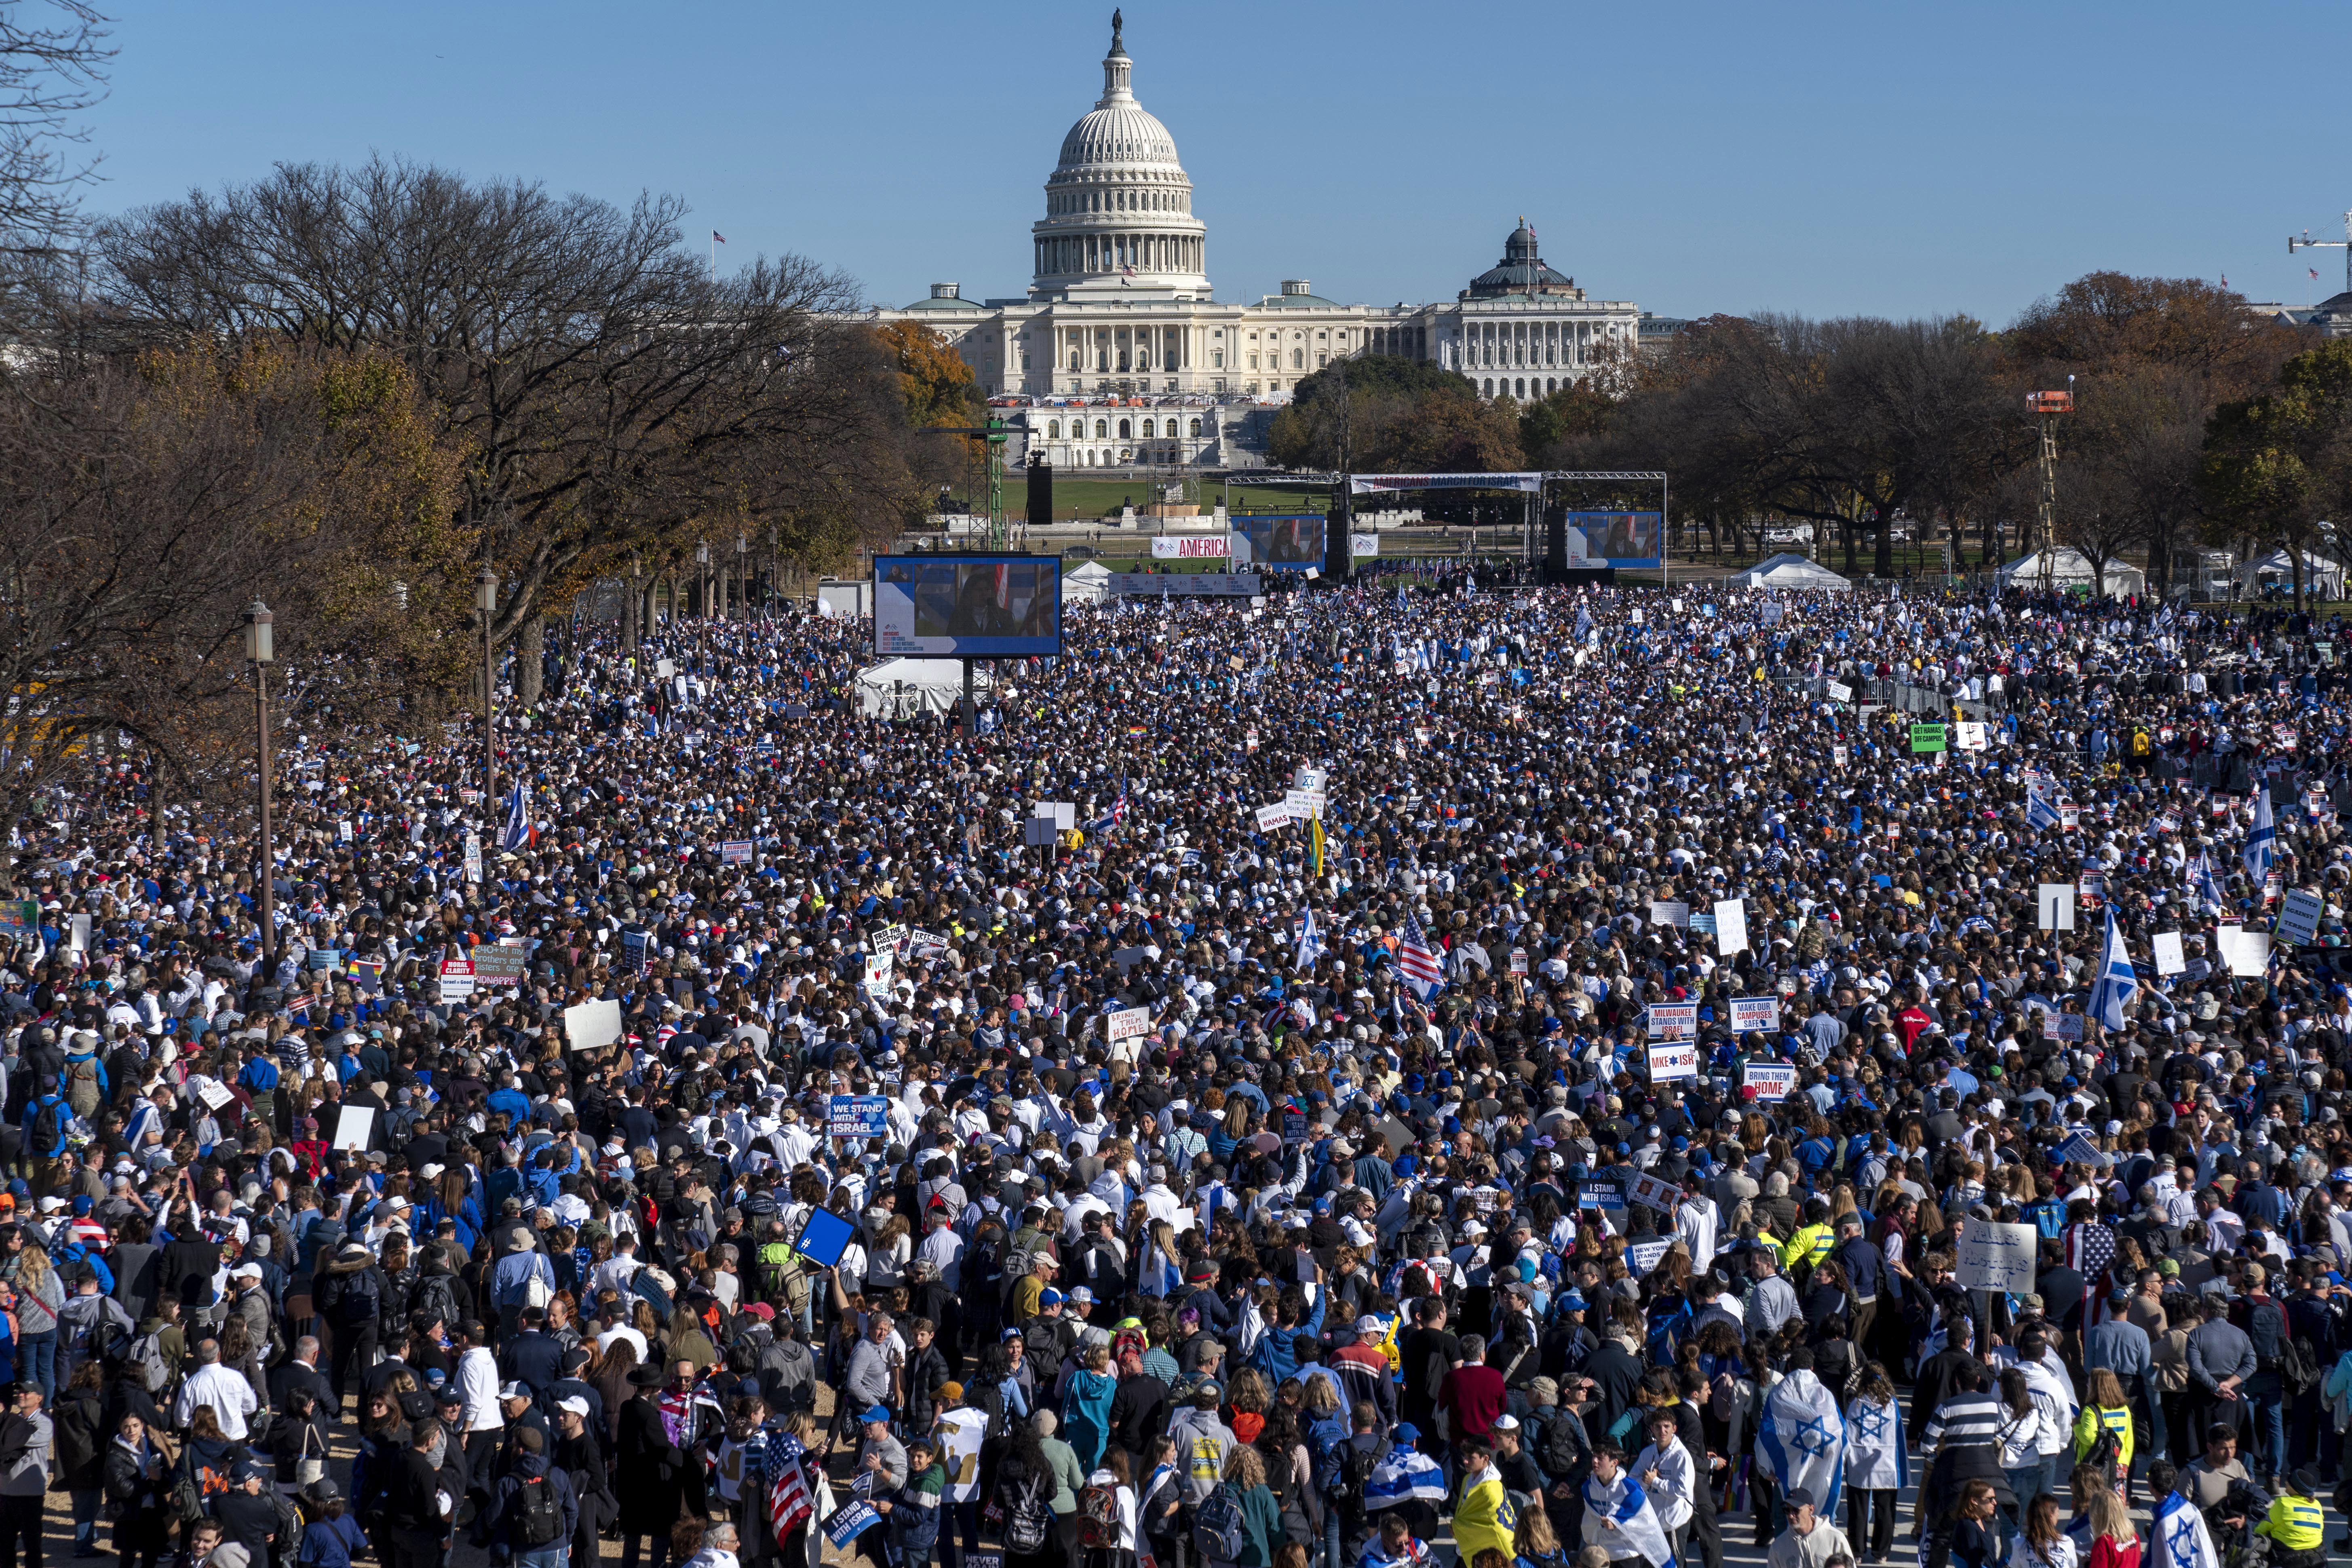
(1550, 1076)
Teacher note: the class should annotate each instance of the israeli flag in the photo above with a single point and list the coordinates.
(1405, 1476)
(1803, 1440)
(2262, 839)
(1310, 943)
(1877, 1457)
(2180, 1537)
(2116, 985)
(517, 832)
(2209, 892)
(2039, 812)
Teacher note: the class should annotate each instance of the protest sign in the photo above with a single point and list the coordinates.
(498, 965)
(1294, 1126)
(1839, 692)
(2065, 1027)
(1755, 1013)
(1773, 1081)
(1127, 1024)
(824, 1236)
(1926, 738)
(352, 1127)
(1669, 912)
(1312, 780)
(20, 917)
(2169, 957)
(2079, 1150)
(1668, 1063)
(218, 1095)
(1653, 1193)
(848, 1522)
(877, 969)
(2053, 905)
(1730, 926)
(1673, 1020)
(633, 951)
(1642, 1256)
(456, 980)
(1970, 737)
(735, 852)
(2298, 918)
(473, 856)
(593, 1025)
(1304, 806)
(1270, 817)
(857, 1116)
(2247, 952)
(78, 933)
(1997, 1257)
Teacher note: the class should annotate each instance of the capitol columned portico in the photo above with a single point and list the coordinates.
(1121, 312)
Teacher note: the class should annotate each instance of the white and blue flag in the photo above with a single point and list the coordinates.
(1310, 943)
(1802, 1440)
(1407, 1475)
(2116, 985)
(517, 832)
(2261, 839)
(2039, 812)
(2179, 1536)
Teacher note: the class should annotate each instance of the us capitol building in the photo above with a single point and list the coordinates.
(1120, 355)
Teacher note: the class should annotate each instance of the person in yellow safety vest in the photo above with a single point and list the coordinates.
(2296, 1522)
(2105, 1406)
(1813, 1238)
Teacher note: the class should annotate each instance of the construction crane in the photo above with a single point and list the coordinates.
(2304, 242)
(2045, 406)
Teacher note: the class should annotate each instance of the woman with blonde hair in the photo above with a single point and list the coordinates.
(40, 1298)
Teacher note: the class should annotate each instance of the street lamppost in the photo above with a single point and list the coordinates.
(259, 648)
(702, 574)
(486, 600)
(743, 575)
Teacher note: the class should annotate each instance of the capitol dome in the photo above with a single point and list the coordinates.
(1119, 206)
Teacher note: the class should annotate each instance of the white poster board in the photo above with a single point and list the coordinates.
(1997, 1257)
(1730, 926)
(1773, 1081)
(1127, 1024)
(2053, 906)
(1669, 912)
(593, 1025)
(2247, 952)
(2169, 958)
(1270, 817)
(1755, 1013)
(352, 1127)
(1668, 1063)
(1653, 1194)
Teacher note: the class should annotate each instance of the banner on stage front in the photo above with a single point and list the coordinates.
(1373, 484)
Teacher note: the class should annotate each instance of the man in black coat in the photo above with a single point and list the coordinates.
(651, 1490)
(532, 1357)
(300, 1369)
(414, 1522)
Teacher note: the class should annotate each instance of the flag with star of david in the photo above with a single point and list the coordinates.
(2180, 1537)
(1803, 1438)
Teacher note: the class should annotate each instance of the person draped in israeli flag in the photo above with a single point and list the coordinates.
(1310, 943)
(2261, 839)
(1802, 1438)
(1877, 1459)
(2116, 985)
(1405, 1476)
(2179, 1536)
(1618, 1517)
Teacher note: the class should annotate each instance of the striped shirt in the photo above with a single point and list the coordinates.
(1964, 1421)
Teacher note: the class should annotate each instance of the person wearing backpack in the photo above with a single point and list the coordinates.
(1239, 1523)
(46, 1118)
(1020, 1506)
(532, 1510)
(354, 1293)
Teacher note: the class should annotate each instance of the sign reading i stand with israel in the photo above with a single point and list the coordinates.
(857, 1116)
(1755, 1013)
(1997, 1257)
(1770, 1080)
(1668, 1063)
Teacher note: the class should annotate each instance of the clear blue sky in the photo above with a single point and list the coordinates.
(1892, 160)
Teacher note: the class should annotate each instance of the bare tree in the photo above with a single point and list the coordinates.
(610, 394)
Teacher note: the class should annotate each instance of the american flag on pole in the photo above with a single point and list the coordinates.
(718, 237)
(2090, 1248)
(1417, 961)
(789, 1506)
